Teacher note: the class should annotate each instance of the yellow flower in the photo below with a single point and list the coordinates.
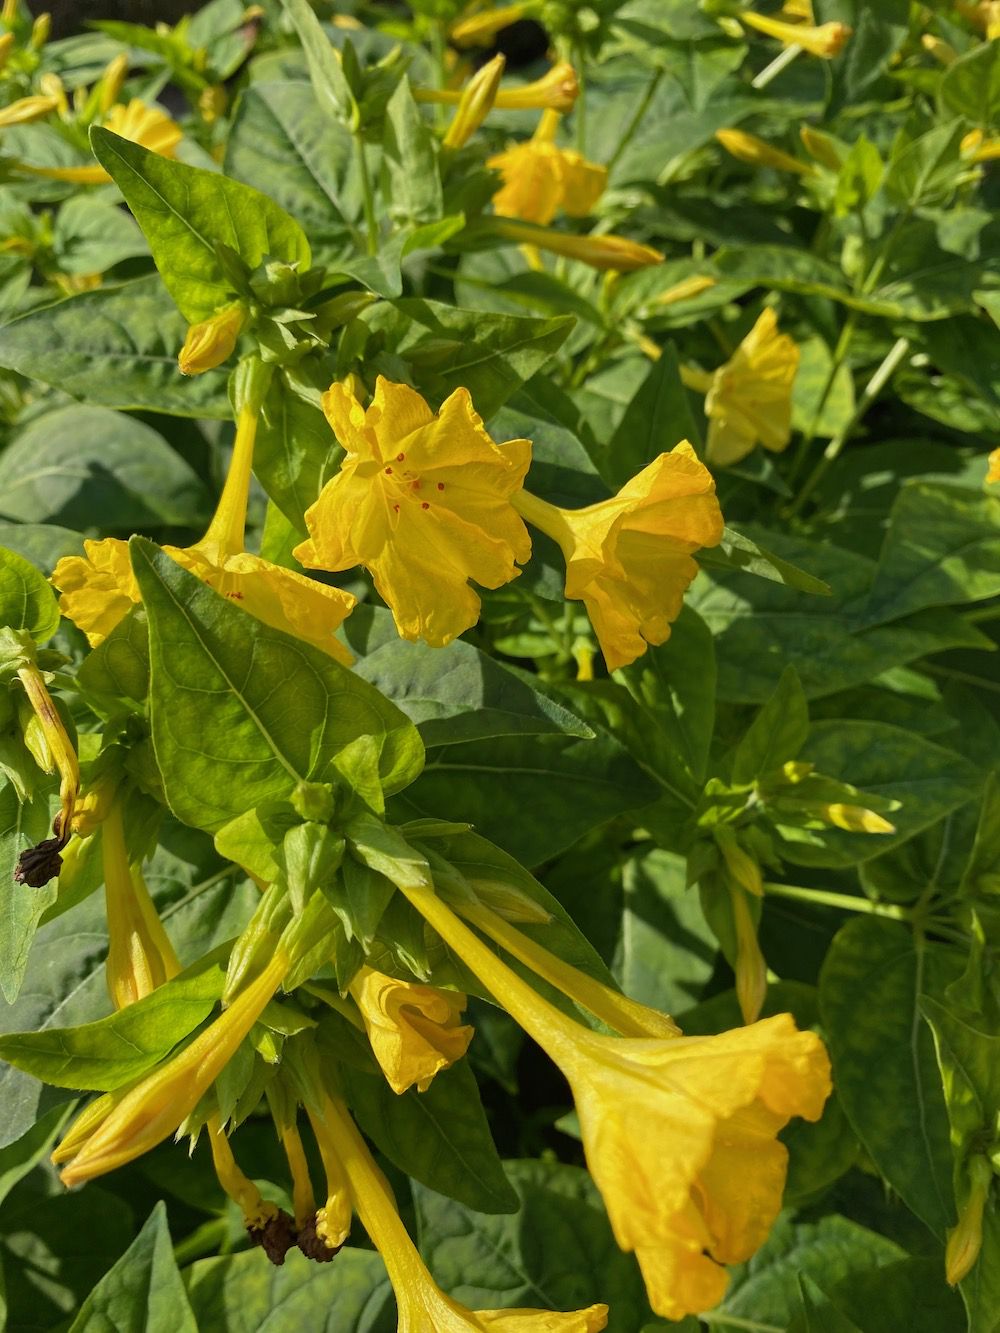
(423, 1307)
(423, 501)
(759, 153)
(602, 252)
(145, 125)
(630, 558)
(749, 399)
(943, 52)
(966, 1239)
(993, 475)
(680, 1134)
(7, 40)
(414, 1030)
(131, 1124)
(212, 341)
(750, 968)
(333, 1220)
(825, 41)
(111, 82)
(985, 15)
(540, 179)
(99, 588)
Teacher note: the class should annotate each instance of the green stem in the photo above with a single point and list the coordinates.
(206, 1240)
(367, 194)
(839, 356)
(846, 901)
(871, 391)
(779, 63)
(986, 613)
(636, 120)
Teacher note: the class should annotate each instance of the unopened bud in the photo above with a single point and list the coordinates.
(212, 102)
(476, 103)
(855, 819)
(40, 30)
(966, 1239)
(685, 290)
(480, 29)
(943, 52)
(314, 801)
(112, 82)
(826, 41)
(740, 864)
(212, 341)
(6, 46)
(821, 146)
(748, 148)
(750, 967)
(600, 252)
(27, 109)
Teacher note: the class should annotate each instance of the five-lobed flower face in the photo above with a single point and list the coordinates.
(541, 179)
(423, 501)
(750, 398)
(680, 1137)
(414, 1030)
(630, 558)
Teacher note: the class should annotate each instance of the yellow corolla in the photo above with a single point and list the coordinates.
(424, 501)
(540, 179)
(414, 1030)
(629, 559)
(143, 124)
(749, 399)
(826, 41)
(679, 1133)
(994, 467)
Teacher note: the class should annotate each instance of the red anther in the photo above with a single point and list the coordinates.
(425, 505)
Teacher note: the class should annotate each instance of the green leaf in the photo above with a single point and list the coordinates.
(409, 161)
(834, 1249)
(532, 795)
(237, 1293)
(942, 548)
(661, 910)
(118, 668)
(113, 1051)
(186, 213)
(453, 694)
(26, 600)
(736, 551)
(657, 418)
(41, 543)
(874, 1301)
(439, 1137)
(556, 1253)
(21, 907)
(19, 1157)
(116, 347)
(143, 1292)
(281, 710)
(76, 462)
(490, 355)
(777, 733)
(326, 73)
(971, 85)
(281, 136)
(871, 987)
(928, 781)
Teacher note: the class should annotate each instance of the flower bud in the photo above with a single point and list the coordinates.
(212, 341)
(821, 146)
(740, 864)
(26, 109)
(112, 82)
(685, 290)
(480, 29)
(750, 967)
(6, 46)
(748, 148)
(600, 252)
(855, 818)
(965, 1240)
(476, 103)
(40, 30)
(943, 52)
(826, 41)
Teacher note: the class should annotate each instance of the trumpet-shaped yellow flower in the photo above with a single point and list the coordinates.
(540, 179)
(557, 91)
(759, 153)
(749, 399)
(99, 588)
(333, 1220)
(680, 1134)
(423, 501)
(145, 125)
(985, 14)
(826, 41)
(133, 1123)
(629, 559)
(414, 1030)
(422, 1305)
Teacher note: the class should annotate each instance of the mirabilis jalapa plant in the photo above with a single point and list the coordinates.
(235, 690)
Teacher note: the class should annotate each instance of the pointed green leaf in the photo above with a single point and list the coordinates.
(26, 600)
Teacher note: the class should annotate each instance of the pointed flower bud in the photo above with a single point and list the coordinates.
(424, 501)
(749, 966)
(966, 1239)
(759, 153)
(629, 559)
(414, 1030)
(475, 103)
(40, 30)
(821, 146)
(825, 41)
(854, 818)
(601, 252)
(6, 46)
(112, 82)
(213, 340)
(159, 1103)
(480, 29)
(685, 290)
(943, 52)
(993, 472)
(27, 109)
(741, 865)
(61, 754)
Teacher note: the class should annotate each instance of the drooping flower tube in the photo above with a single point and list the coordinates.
(423, 500)
(680, 1133)
(557, 90)
(749, 398)
(540, 179)
(99, 589)
(423, 1307)
(825, 41)
(630, 558)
